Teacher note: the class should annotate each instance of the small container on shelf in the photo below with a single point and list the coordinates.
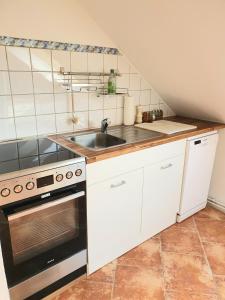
(145, 117)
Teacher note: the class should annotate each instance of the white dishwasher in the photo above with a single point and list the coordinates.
(199, 160)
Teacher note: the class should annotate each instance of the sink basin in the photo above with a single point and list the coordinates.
(97, 141)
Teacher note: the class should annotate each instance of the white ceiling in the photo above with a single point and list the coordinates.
(178, 46)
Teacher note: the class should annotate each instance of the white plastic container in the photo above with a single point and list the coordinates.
(129, 111)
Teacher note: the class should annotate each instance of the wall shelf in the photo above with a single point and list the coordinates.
(88, 82)
(88, 74)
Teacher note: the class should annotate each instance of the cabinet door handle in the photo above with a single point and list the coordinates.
(166, 166)
(118, 184)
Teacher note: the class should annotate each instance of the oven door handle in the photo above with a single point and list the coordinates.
(44, 206)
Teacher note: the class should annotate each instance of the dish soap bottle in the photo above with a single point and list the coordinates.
(112, 82)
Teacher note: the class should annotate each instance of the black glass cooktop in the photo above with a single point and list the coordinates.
(22, 155)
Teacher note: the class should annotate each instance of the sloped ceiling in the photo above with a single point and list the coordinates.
(177, 45)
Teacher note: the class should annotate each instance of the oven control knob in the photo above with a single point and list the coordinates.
(69, 175)
(78, 172)
(59, 177)
(30, 186)
(18, 188)
(5, 192)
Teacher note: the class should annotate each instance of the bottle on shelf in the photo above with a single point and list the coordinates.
(112, 82)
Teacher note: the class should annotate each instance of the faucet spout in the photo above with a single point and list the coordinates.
(104, 125)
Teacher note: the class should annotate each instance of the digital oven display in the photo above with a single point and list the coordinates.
(45, 181)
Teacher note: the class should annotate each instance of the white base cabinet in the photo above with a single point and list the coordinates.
(130, 198)
(161, 195)
(113, 218)
(4, 292)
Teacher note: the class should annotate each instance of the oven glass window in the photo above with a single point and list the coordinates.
(35, 232)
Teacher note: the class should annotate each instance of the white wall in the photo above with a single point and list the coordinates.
(217, 188)
(55, 20)
(179, 47)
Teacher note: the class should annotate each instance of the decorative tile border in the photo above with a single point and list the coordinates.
(11, 41)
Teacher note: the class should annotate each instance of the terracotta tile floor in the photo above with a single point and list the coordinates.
(184, 262)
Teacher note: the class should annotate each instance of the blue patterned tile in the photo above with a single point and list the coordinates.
(11, 41)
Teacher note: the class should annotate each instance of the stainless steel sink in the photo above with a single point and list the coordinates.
(97, 141)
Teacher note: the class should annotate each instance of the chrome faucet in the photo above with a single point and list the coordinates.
(104, 125)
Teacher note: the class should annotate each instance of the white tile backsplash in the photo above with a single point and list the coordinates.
(6, 107)
(33, 99)
(145, 85)
(64, 122)
(155, 98)
(123, 64)
(23, 105)
(44, 104)
(21, 83)
(95, 62)
(120, 101)
(145, 97)
(3, 61)
(82, 123)
(61, 59)
(26, 126)
(136, 95)
(123, 81)
(58, 83)
(110, 101)
(4, 83)
(135, 82)
(46, 124)
(80, 101)
(7, 129)
(63, 103)
(18, 59)
(41, 60)
(110, 62)
(43, 82)
(79, 62)
(95, 102)
(95, 118)
(111, 115)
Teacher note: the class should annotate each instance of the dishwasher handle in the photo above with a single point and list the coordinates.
(201, 142)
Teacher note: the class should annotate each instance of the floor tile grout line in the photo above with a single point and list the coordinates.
(162, 267)
(206, 258)
(183, 253)
(202, 245)
(113, 282)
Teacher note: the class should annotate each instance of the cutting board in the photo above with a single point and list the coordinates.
(167, 127)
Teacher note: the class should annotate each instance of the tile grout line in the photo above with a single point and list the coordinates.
(162, 268)
(32, 76)
(206, 258)
(113, 282)
(12, 100)
(53, 93)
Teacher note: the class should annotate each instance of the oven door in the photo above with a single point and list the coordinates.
(42, 231)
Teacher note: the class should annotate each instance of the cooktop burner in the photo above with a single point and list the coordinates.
(22, 155)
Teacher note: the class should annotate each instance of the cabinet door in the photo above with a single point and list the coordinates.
(3, 284)
(161, 195)
(114, 217)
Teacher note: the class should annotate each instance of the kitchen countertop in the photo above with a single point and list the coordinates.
(93, 156)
